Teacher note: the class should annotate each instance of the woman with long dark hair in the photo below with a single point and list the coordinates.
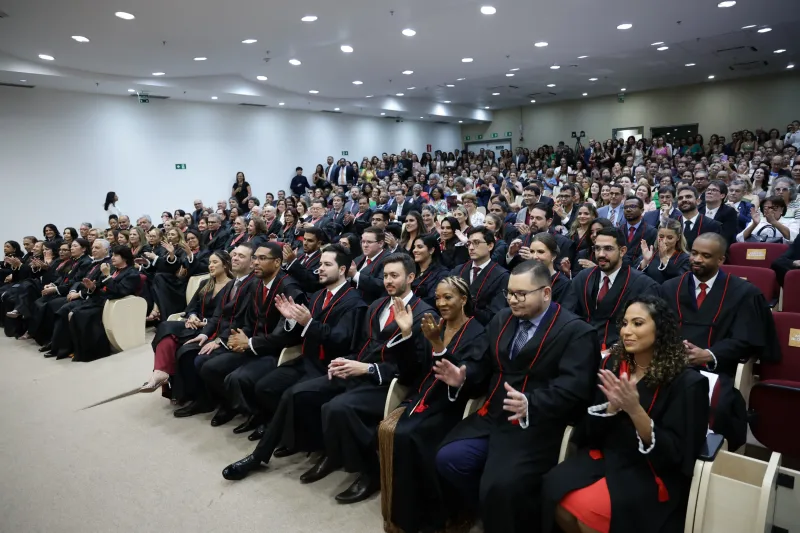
(51, 234)
(169, 279)
(620, 480)
(410, 497)
(454, 252)
(292, 233)
(430, 270)
(242, 191)
(413, 228)
(496, 225)
(544, 248)
(110, 207)
(585, 258)
(580, 229)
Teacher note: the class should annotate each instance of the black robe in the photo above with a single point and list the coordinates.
(216, 240)
(304, 270)
(201, 305)
(428, 415)
(424, 285)
(679, 411)
(453, 253)
(566, 250)
(43, 317)
(370, 279)
(735, 322)
(560, 284)
(556, 371)
(234, 240)
(644, 232)
(169, 289)
(785, 262)
(490, 282)
(701, 225)
(603, 316)
(677, 265)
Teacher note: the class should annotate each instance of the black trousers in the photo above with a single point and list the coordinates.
(62, 340)
(240, 385)
(216, 369)
(41, 323)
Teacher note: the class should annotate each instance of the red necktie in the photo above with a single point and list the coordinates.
(631, 232)
(702, 296)
(390, 318)
(369, 261)
(327, 299)
(475, 272)
(603, 290)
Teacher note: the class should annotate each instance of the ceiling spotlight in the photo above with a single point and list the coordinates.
(46, 57)
(357, 82)
(711, 77)
(447, 101)
(383, 114)
(585, 94)
(213, 97)
(410, 88)
(540, 44)
(200, 58)
(399, 94)
(533, 101)
(368, 96)
(408, 32)
(592, 79)
(450, 85)
(582, 57)
(23, 81)
(623, 89)
(488, 10)
(459, 79)
(625, 26)
(80, 38)
(421, 117)
(487, 107)
(309, 18)
(513, 70)
(408, 72)
(313, 91)
(659, 43)
(347, 49)
(294, 62)
(727, 3)
(764, 30)
(790, 65)
(551, 84)
(261, 78)
(495, 94)
(123, 15)
(281, 103)
(748, 27)
(159, 73)
(689, 64)
(336, 109)
(779, 51)
(466, 60)
(555, 67)
(249, 41)
(129, 90)
(510, 75)
(460, 121)
(662, 48)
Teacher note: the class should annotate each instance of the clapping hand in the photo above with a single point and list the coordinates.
(89, 284)
(461, 236)
(566, 266)
(351, 272)
(292, 311)
(620, 391)
(647, 252)
(403, 316)
(168, 247)
(289, 255)
(585, 263)
(523, 228)
(450, 374)
(525, 252)
(515, 402)
(432, 329)
(105, 268)
(391, 240)
(513, 248)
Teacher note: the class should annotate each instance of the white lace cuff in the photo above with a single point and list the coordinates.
(450, 396)
(652, 440)
(523, 422)
(600, 410)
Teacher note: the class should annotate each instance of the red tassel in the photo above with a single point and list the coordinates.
(483, 411)
(421, 407)
(515, 422)
(603, 347)
(596, 454)
(663, 494)
(321, 353)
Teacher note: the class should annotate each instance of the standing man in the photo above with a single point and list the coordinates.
(299, 183)
(694, 223)
(329, 169)
(344, 174)
(198, 211)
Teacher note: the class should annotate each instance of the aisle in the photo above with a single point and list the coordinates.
(130, 466)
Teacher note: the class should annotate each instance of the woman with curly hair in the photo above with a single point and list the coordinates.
(647, 427)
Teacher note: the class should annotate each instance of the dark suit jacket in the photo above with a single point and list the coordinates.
(701, 225)
(490, 281)
(304, 271)
(744, 218)
(408, 206)
(230, 312)
(350, 175)
(263, 317)
(644, 231)
(370, 280)
(276, 227)
(728, 218)
(653, 218)
(217, 240)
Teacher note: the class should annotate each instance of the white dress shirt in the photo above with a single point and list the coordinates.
(384, 316)
(334, 291)
(711, 213)
(472, 274)
(370, 260)
(710, 283)
(611, 277)
(691, 221)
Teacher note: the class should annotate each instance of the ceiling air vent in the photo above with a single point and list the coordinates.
(748, 66)
(736, 49)
(151, 96)
(254, 105)
(17, 85)
(542, 95)
(440, 122)
(329, 111)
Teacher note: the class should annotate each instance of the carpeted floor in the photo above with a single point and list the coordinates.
(130, 466)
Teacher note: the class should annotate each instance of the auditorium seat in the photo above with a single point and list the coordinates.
(763, 278)
(775, 398)
(123, 321)
(755, 254)
(473, 405)
(397, 393)
(193, 284)
(289, 353)
(791, 286)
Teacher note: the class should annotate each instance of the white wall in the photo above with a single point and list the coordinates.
(60, 152)
(718, 107)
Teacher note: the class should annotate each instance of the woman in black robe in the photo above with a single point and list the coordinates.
(168, 284)
(669, 258)
(430, 271)
(291, 234)
(256, 232)
(633, 470)
(47, 267)
(12, 261)
(89, 338)
(454, 252)
(544, 248)
(585, 257)
(411, 498)
(172, 334)
(494, 224)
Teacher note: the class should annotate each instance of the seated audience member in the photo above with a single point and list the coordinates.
(360, 220)
(485, 277)
(541, 362)
(541, 221)
(168, 267)
(715, 208)
(124, 222)
(291, 234)
(239, 234)
(635, 230)
(215, 238)
(89, 338)
(669, 209)
(273, 225)
(723, 318)
(736, 191)
(544, 248)
(694, 223)
(256, 232)
(602, 291)
(470, 202)
(61, 345)
(228, 316)
(352, 243)
(303, 268)
(429, 221)
(366, 272)
(495, 224)
(430, 270)
(25, 278)
(454, 252)
(790, 260)
(171, 334)
(615, 482)
(667, 258)
(409, 436)
(581, 227)
(412, 228)
(499, 208)
(765, 224)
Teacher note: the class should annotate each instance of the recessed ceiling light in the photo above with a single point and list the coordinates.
(540, 44)
(421, 117)
(460, 79)
(295, 62)
(711, 77)
(358, 82)
(533, 101)
(383, 114)
(159, 73)
(592, 79)
(213, 97)
(80, 38)
(689, 64)
(659, 43)
(347, 49)
(129, 90)
(779, 51)
(336, 109)
(585, 94)
(200, 58)
(313, 91)
(513, 70)
(447, 101)
(662, 48)
(748, 27)
(510, 75)
(450, 85)
(790, 65)
(369, 96)
(625, 26)
(408, 72)
(555, 67)
(727, 3)
(281, 103)
(582, 57)
(23, 81)
(46, 57)
(466, 60)
(551, 84)
(261, 78)
(399, 94)
(249, 41)
(495, 94)
(764, 30)
(487, 107)
(410, 88)
(623, 89)
(408, 32)
(309, 18)
(123, 15)
(488, 10)
(460, 121)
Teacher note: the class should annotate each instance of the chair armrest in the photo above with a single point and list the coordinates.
(711, 447)
(473, 405)
(397, 393)
(123, 321)
(289, 353)
(176, 317)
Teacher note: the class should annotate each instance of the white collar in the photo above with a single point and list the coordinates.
(371, 259)
(406, 299)
(268, 286)
(241, 278)
(710, 282)
(481, 267)
(611, 277)
(339, 286)
(692, 220)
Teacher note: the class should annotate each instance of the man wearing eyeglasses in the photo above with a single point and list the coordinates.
(635, 229)
(602, 291)
(366, 270)
(485, 277)
(716, 209)
(541, 366)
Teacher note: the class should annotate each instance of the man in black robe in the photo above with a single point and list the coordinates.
(304, 267)
(694, 223)
(634, 230)
(542, 362)
(724, 319)
(602, 291)
(261, 318)
(540, 216)
(790, 260)
(485, 277)
(366, 272)
(215, 238)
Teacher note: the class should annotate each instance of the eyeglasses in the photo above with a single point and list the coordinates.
(712, 189)
(519, 296)
(368, 242)
(781, 189)
(475, 243)
(608, 249)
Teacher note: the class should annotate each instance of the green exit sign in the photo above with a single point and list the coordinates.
(480, 137)
(494, 136)
(345, 152)
(467, 138)
(509, 134)
(180, 166)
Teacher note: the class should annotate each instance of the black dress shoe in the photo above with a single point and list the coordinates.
(248, 425)
(222, 416)
(283, 451)
(323, 467)
(258, 433)
(62, 355)
(194, 408)
(49, 354)
(240, 469)
(361, 489)
(45, 348)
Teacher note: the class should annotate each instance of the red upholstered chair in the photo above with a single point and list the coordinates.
(763, 278)
(775, 399)
(791, 292)
(755, 254)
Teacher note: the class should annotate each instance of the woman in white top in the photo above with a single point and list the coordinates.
(110, 208)
(767, 225)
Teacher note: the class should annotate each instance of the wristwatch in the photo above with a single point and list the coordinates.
(371, 369)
